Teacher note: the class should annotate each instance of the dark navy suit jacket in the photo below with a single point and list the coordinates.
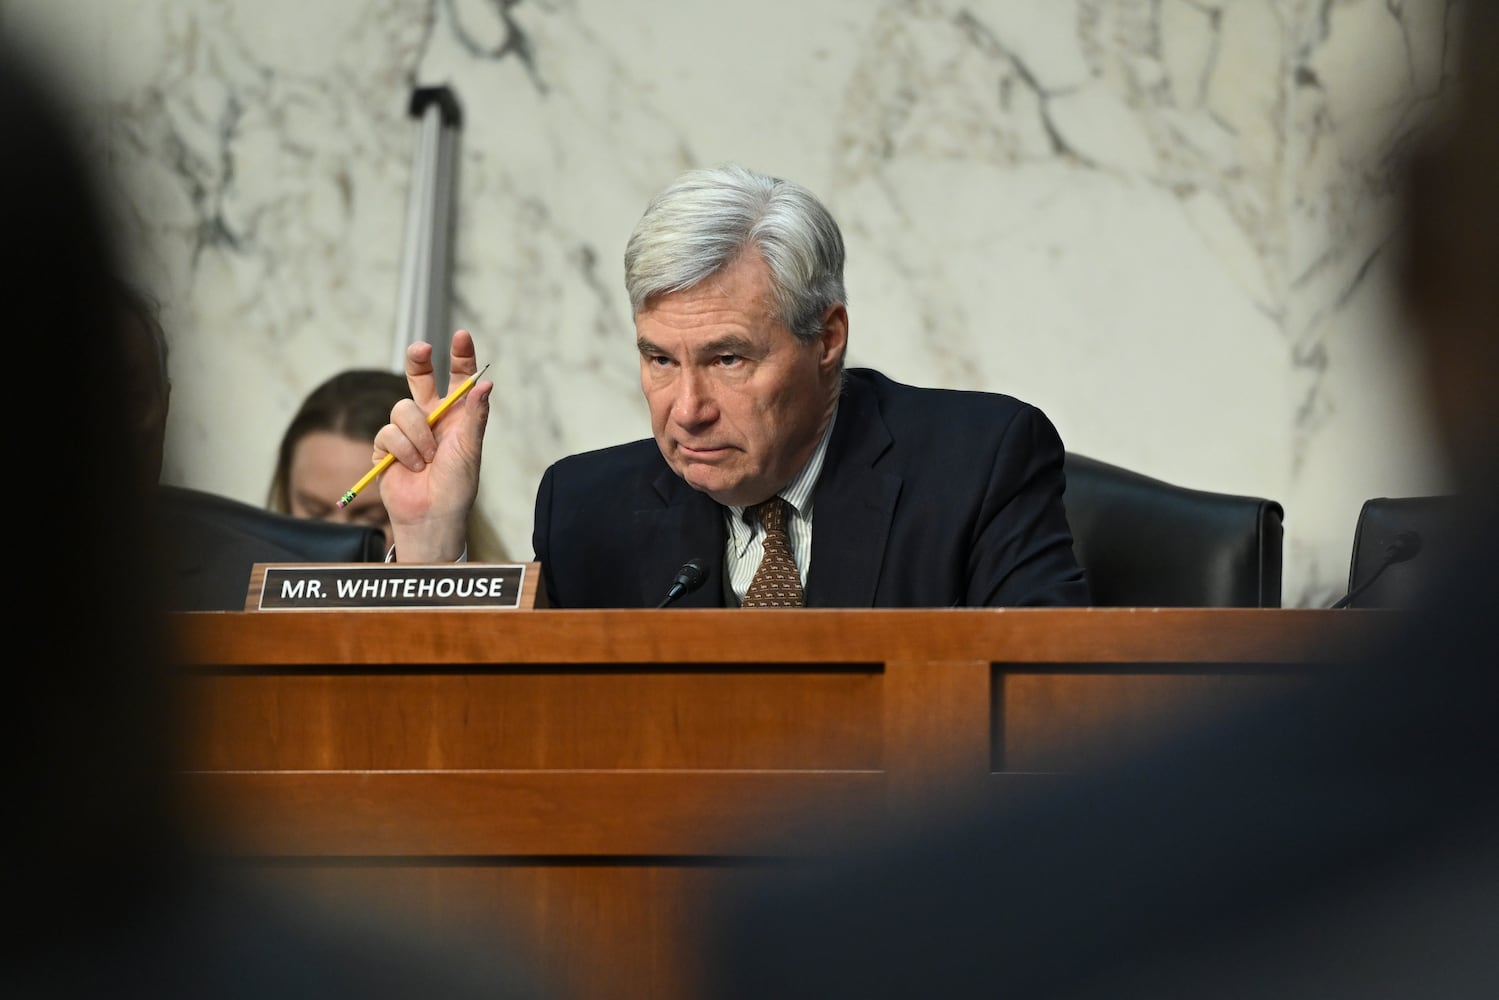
(927, 498)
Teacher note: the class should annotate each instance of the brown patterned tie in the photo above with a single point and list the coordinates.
(777, 584)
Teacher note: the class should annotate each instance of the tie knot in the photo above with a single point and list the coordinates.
(771, 514)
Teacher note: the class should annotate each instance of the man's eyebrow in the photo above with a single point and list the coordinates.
(728, 344)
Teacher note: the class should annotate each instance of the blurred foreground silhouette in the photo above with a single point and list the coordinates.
(105, 898)
(1341, 841)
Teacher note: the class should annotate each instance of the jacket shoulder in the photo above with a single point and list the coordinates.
(941, 410)
(604, 465)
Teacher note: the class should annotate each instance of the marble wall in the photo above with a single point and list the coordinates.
(1163, 221)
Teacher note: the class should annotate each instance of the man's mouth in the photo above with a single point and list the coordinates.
(701, 450)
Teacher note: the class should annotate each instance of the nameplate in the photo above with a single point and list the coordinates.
(386, 586)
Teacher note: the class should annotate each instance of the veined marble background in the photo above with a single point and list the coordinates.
(1163, 221)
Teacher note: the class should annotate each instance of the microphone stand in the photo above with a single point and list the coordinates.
(1402, 547)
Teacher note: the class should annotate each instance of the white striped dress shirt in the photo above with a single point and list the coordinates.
(746, 542)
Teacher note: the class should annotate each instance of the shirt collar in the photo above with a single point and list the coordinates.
(797, 493)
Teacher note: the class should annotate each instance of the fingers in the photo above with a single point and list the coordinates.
(478, 400)
(463, 360)
(407, 436)
(420, 376)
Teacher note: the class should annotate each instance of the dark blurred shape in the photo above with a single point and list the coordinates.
(1450, 255)
(209, 544)
(1145, 543)
(1341, 841)
(104, 897)
(148, 384)
(90, 741)
(218, 541)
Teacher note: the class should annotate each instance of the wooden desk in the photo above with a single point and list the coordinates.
(596, 775)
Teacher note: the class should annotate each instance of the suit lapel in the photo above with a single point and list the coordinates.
(688, 525)
(853, 506)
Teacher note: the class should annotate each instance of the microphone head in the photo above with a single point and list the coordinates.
(691, 575)
(1403, 546)
(689, 578)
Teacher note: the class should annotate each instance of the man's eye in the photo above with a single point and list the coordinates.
(659, 360)
(729, 360)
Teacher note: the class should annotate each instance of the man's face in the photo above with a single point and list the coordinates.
(737, 402)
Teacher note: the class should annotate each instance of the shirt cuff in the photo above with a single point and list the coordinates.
(462, 556)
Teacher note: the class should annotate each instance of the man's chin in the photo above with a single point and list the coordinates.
(709, 481)
(706, 484)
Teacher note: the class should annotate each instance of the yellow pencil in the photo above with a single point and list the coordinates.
(432, 418)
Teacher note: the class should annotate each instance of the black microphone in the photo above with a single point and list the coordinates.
(688, 578)
(1403, 546)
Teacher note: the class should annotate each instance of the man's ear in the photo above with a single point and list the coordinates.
(832, 340)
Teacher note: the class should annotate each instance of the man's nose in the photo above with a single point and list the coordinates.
(694, 405)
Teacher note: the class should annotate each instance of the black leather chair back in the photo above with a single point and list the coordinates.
(1412, 538)
(1148, 543)
(214, 543)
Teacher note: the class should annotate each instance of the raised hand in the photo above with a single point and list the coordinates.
(434, 481)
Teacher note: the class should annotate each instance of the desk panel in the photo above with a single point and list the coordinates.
(584, 782)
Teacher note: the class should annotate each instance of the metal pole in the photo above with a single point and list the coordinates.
(423, 307)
